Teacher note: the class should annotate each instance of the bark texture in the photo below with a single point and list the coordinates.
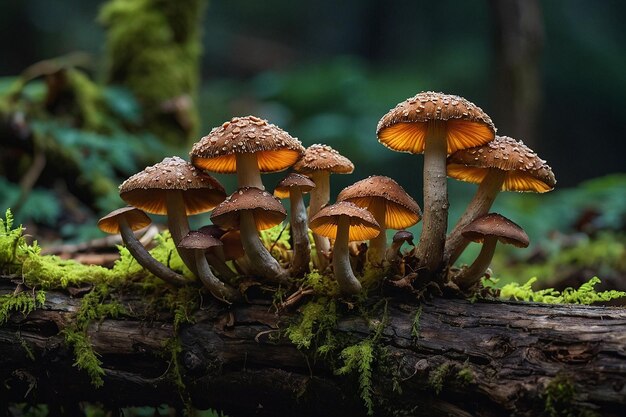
(460, 359)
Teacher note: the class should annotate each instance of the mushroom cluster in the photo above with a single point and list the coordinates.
(457, 139)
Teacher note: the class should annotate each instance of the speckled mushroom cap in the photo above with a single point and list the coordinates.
(498, 226)
(363, 226)
(136, 219)
(400, 209)
(293, 180)
(405, 126)
(198, 240)
(268, 212)
(323, 158)
(147, 189)
(276, 150)
(525, 171)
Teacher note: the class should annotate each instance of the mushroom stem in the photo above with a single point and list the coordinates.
(299, 233)
(481, 203)
(262, 263)
(219, 290)
(348, 283)
(178, 226)
(393, 252)
(248, 174)
(219, 264)
(472, 274)
(320, 196)
(144, 258)
(378, 245)
(429, 250)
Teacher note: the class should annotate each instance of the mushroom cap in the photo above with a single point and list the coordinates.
(198, 240)
(137, 219)
(233, 248)
(405, 126)
(403, 236)
(498, 226)
(525, 171)
(400, 209)
(147, 189)
(276, 150)
(212, 230)
(363, 226)
(319, 157)
(293, 180)
(267, 210)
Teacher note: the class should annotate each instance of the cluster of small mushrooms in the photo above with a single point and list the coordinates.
(457, 139)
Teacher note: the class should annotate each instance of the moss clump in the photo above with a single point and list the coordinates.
(314, 326)
(359, 359)
(558, 397)
(23, 302)
(415, 324)
(585, 294)
(437, 377)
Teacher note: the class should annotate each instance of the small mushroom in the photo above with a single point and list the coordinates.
(293, 186)
(246, 146)
(318, 162)
(251, 209)
(401, 236)
(391, 206)
(125, 221)
(233, 251)
(488, 230)
(502, 164)
(216, 256)
(435, 124)
(175, 188)
(199, 243)
(345, 222)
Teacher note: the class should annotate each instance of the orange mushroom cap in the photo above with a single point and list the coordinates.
(137, 219)
(363, 226)
(267, 210)
(293, 180)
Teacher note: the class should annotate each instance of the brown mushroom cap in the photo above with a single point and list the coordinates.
(323, 158)
(525, 171)
(268, 212)
(233, 248)
(198, 240)
(293, 180)
(403, 236)
(363, 226)
(276, 150)
(146, 189)
(404, 127)
(498, 226)
(136, 219)
(400, 209)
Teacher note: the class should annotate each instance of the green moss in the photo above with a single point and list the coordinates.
(585, 294)
(23, 302)
(465, 375)
(558, 398)
(437, 377)
(415, 324)
(359, 359)
(316, 318)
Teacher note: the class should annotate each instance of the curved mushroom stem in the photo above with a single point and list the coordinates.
(342, 270)
(320, 196)
(378, 245)
(299, 233)
(219, 264)
(146, 260)
(219, 290)
(472, 274)
(178, 226)
(481, 203)
(429, 250)
(262, 263)
(393, 252)
(248, 174)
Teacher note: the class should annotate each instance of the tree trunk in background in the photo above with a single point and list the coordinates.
(518, 42)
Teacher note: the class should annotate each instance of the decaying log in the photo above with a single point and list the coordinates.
(482, 358)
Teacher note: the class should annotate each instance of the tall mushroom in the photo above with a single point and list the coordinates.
(175, 188)
(318, 162)
(345, 222)
(435, 124)
(125, 221)
(293, 186)
(246, 146)
(503, 164)
(251, 209)
(488, 230)
(390, 205)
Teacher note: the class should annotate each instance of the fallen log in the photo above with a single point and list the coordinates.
(460, 358)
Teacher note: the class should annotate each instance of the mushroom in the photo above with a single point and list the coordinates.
(216, 257)
(248, 146)
(233, 251)
(436, 124)
(125, 221)
(503, 164)
(345, 222)
(390, 205)
(318, 162)
(251, 209)
(175, 188)
(199, 242)
(293, 186)
(399, 238)
(488, 230)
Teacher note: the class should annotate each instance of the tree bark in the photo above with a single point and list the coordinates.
(493, 358)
